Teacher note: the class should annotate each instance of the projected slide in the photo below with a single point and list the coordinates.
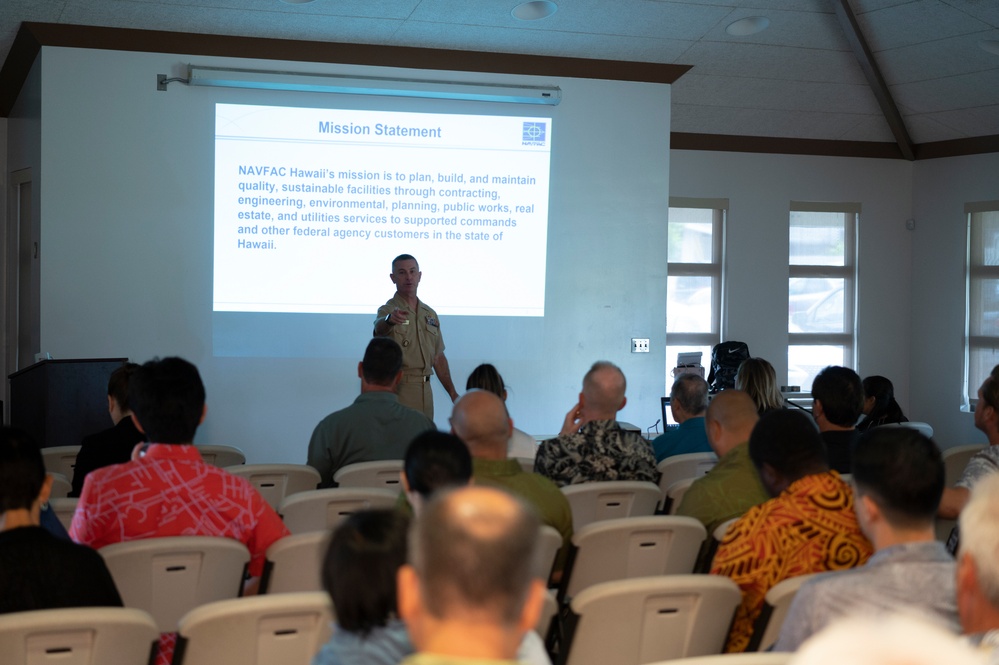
(312, 204)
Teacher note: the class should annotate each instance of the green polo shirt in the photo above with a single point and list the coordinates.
(728, 490)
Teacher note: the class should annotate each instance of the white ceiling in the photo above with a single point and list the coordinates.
(796, 79)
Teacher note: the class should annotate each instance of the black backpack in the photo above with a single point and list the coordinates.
(725, 360)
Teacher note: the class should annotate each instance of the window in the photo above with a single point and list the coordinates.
(982, 295)
(821, 301)
(694, 281)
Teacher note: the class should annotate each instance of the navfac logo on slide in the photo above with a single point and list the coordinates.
(534, 133)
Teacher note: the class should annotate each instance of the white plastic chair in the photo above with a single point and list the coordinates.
(61, 487)
(276, 481)
(221, 456)
(60, 459)
(645, 619)
(549, 543)
(674, 495)
(923, 428)
(956, 459)
(612, 499)
(283, 629)
(78, 636)
(767, 658)
(680, 467)
(64, 508)
(632, 547)
(381, 473)
(169, 576)
(776, 604)
(526, 463)
(322, 510)
(294, 563)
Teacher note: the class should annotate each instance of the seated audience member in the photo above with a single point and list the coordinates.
(838, 401)
(688, 400)
(880, 407)
(808, 527)
(37, 570)
(758, 379)
(592, 446)
(169, 490)
(376, 426)
(733, 486)
(470, 594)
(480, 420)
(359, 573)
(978, 567)
(485, 377)
(984, 463)
(434, 461)
(114, 445)
(437, 461)
(898, 475)
(893, 640)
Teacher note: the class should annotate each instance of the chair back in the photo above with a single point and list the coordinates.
(60, 459)
(78, 636)
(612, 499)
(549, 543)
(276, 481)
(294, 563)
(767, 658)
(526, 464)
(169, 576)
(221, 456)
(323, 510)
(61, 487)
(776, 604)
(382, 473)
(674, 495)
(651, 619)
(923, 428)
(956, 459)
(283, 629)
(680, 467)
(64, 508)
(632, 547)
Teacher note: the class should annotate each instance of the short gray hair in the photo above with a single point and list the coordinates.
(979, 528)
(690, 391)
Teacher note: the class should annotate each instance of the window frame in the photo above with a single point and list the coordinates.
(848, 272)
(975, 271)
(714, 270)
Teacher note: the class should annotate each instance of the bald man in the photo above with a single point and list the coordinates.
(592, 446)
(733, 486)
(480, 420)
(469, 594)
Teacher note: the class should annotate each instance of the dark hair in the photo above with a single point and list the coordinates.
(404, 257)
(486, 377)
(885, 410)
(359, 569)
(690, 391)
(168, 399)
(22, 470)
(435, 460)
(789, 442)
(382, 361)
(118, 384)
(903, 471)
(841, 393)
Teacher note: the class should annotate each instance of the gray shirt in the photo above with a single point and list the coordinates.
(910, 577)
(979, 466)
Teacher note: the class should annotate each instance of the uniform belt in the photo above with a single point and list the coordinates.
(415, 378)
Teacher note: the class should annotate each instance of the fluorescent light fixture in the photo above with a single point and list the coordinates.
(369, 85)
(748, 26)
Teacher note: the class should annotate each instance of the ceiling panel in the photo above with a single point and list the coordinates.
(816, 30)
(937, 59)
(769, 94)
(785, 63)
(760, 122)
(970, 122)
(916, 22)
(948, 94)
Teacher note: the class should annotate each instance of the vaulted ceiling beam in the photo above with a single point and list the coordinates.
(848, 22)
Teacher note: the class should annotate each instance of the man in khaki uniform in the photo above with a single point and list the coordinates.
(416, 328)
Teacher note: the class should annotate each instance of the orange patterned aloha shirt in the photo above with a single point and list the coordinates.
(809, 528)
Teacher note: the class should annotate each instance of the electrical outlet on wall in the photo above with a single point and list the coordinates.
(639, 345)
